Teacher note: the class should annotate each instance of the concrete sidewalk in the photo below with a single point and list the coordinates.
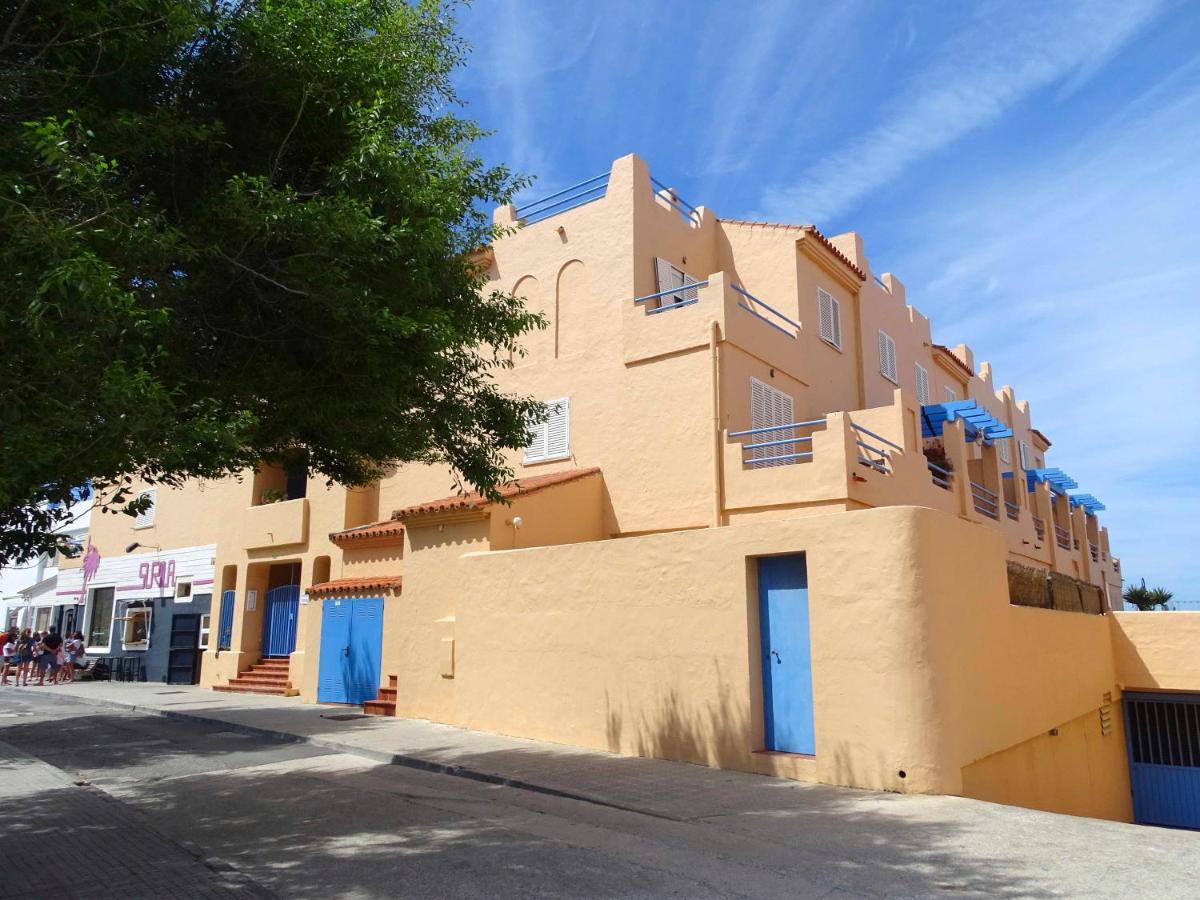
(649, 786)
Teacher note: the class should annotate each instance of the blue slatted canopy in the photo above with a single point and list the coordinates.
(1060, 482)
(976, 419)
(1089, 503)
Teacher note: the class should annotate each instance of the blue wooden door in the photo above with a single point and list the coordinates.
(366, 644)
(225, 633)
(1163, 736)
(280, 613)
(351, 644)
(333, 671)
(786, 654)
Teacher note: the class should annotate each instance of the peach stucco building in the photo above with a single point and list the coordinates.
(769, 525)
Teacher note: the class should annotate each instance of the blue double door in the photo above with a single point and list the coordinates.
(1163, 734)
(786, 654)
(351, 645)
(281, 611)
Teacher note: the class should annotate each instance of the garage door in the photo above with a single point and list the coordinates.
(1163, 731)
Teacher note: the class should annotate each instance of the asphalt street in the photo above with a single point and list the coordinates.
(116, 803)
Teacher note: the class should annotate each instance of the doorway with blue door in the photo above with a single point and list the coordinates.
(1162, 731)
(351, 647)
(281, 611)
(785, 654)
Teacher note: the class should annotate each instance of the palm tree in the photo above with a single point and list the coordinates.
(1146, 599)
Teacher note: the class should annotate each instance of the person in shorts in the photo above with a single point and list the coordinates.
(9, 662)
(51, 645)
(25, 648)
(76, 656)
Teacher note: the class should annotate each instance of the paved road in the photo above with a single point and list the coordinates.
(186, 809)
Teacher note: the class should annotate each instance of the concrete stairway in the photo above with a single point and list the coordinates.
(384, 703)
(267, 677)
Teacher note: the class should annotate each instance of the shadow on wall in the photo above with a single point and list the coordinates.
(316, 823)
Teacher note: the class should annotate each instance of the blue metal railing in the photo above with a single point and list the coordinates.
(567, 198)
(771, 309)
(941, 477)
(688, 292)
(756, 450)
(879, 461)
(690, 214)
(986, 501)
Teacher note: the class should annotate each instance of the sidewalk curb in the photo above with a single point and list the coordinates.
(380, 756)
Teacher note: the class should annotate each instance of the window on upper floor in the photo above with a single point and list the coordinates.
(146, 517)
(887, 357)
(670, 277)
(1024, 455)
(922, 385)
(770, 408)
(1002, 449)
(551, 438)
(951, 395)
(829, 316)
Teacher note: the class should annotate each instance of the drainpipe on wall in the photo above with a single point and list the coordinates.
(714, 341)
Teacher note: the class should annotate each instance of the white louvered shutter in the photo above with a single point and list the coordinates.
(825, 315)
(836, 316)
(670, 277)
(951, 396)
(768, 408)
(1023, 450)
(1002, 448)
(558, 429)
(922, 385)
(146, 518)
(887, 356)
(535, 451)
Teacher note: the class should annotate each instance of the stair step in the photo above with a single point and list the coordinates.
(274, 663)
(393, 681)
(280, 691)
(388, 694)
(379, 708)
(246, 678)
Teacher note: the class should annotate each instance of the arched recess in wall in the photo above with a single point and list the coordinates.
(574, 331)
(538, 345)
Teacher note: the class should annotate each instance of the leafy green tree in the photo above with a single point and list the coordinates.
(234, 231)
(1147, 599)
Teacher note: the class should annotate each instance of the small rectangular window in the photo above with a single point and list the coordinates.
(922, 385)
(183, 592)
(146, 518)
(887, 357)
(1002, 449)
(204, 632)
(136, 633)
(41, 621)
(551, 438)
(668, 277)
(951, 396)
(830, 318)
(1023, 454)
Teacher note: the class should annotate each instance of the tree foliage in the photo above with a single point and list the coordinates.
(1147, 599)
(234, 231)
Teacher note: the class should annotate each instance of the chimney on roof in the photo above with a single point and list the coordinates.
(963, 352)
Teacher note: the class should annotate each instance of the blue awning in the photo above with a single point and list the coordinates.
(1060, 482)
(976, 420)
(1089, 503)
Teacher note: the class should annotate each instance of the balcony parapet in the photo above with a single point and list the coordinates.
(276, 524)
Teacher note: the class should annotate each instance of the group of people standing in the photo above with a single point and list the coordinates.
(44, 654)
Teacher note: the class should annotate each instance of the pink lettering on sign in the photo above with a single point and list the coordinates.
(157, 574)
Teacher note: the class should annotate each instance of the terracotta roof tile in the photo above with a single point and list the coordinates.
(810, 229)
(356, 585)
(377, 533)
(950, 355)
(474, 500)
(1038, 434)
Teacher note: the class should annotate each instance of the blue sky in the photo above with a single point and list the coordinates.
(1031, 171)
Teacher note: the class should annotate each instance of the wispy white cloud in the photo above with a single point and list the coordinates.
(1005, 54)
(1076, 273)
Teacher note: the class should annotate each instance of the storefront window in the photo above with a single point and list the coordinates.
(100, 617)
(42, 621)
